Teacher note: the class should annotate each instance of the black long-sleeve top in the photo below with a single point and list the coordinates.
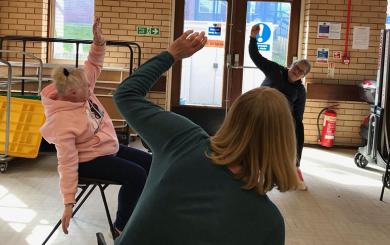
(276, 76)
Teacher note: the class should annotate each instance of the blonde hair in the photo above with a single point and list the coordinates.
(258, 134)
(65, 79)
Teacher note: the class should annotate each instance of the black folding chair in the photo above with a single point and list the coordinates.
(84, 184)
(100, 239)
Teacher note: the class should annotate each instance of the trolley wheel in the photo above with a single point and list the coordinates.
(386, 180)
(360, 160)
(3, 167)
(363, 162)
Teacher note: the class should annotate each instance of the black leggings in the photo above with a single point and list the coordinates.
(300, 134)
(130, 168)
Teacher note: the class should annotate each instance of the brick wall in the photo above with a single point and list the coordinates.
(121, 18)
(24, 17)
(363, 63)
(119, 22)
(349, 118)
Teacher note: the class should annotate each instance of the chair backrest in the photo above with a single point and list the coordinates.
(210, 119)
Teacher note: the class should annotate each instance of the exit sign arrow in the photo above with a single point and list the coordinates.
(148, 31)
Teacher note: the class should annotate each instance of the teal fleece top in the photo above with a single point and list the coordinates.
(187, 199)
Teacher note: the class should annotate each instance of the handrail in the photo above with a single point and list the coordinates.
(77, 42)
(8, 105)
(40, 70)
(26, 39)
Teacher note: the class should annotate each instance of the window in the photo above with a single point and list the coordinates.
(388, 16)
(209, 7)
(72, 19)
(251, 8)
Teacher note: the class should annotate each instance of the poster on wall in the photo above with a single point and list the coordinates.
(361, 37)
(328, 30)
(322, 55)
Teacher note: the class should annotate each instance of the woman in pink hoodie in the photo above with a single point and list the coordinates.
(85, 138)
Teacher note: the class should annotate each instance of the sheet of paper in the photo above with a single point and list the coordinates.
(361, 37)
(335, 30)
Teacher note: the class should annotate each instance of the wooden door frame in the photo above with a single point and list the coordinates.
(238, 34)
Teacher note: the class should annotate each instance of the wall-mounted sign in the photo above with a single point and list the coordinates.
(148, 31)
(322, 55)
(328, 30)
(337, 55)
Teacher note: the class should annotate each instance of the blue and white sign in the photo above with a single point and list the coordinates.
(264, 33)
(214, 31)
(263, 47)
(322, 55)
(265, 38)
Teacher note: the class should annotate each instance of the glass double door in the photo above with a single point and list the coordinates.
(220, 72)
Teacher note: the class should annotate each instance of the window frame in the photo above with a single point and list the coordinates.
(51, 31)
(237, 47)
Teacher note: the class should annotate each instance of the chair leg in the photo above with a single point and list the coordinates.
(112, 229)
(100, 239)
(83, 190)
(52, 232)
(82, 201)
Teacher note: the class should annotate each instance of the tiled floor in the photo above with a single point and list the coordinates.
(341, 207)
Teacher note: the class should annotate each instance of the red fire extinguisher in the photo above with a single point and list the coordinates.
(326, 138)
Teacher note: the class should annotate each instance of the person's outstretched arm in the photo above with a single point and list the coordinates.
(158, 128)
(94, 63)
(266, 66)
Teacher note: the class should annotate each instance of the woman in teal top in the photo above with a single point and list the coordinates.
(202, 189)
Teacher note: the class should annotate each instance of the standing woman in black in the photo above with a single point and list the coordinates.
(288, 81)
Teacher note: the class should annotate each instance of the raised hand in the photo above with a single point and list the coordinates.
(98, 38)
(255, 30)
(187, 44)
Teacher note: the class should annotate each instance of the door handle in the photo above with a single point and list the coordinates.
(232, 57)
(236, 64)
(244, 67)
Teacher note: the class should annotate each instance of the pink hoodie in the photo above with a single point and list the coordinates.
(69, 126)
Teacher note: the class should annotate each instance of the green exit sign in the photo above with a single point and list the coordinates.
(148, 31)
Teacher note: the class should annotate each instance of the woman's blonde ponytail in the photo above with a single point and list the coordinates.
(60, 75)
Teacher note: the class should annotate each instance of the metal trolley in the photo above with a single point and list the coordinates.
(377, 149)
(7, 153)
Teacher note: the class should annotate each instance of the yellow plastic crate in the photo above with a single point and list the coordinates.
(26, 117)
